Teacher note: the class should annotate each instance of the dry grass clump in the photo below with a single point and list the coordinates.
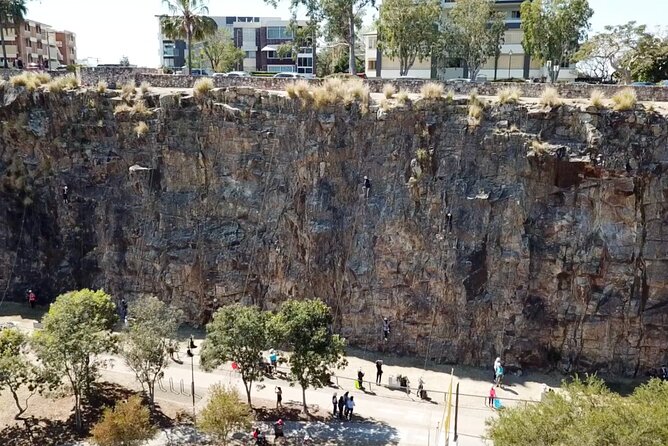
(299, 89)
(402, 98)
(31, 81)
(550, 97)
(141, 129)
(102, 87)
(539, 147)
(625, 99)
(140, 108)
(337, 91)
(389, 91)
(68, 82)
(203, 87)
(596, 99)
(509, 95)
(432, 90)
(144, 87)
(122, 108)
(450, 95)
(127, 91)
(475, 113)
(385, 104)
(355, 90)
(43, 78)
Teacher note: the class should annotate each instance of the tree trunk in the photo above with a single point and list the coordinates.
(2, 38)
(14, 395)
(247, 386)
(351, 44)
(77, 412)
(314, 45)
(304, 399)
(151, 394)
(189, 36)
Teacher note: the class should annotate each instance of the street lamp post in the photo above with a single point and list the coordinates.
(510, 59)
(190, 353)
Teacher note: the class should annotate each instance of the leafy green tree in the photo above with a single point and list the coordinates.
(609, 50)
(16, 369)
(304, 326)
(125, 61)
(76, 330)
(343, 18)
(649, 61)
(407, 30)
(472, 31)
(144, 346)
(240, 334)
(553, 30)
(219, 49)
(224, 413)
(587, 413)
(11, 11)
(189, 21)
(127, 424)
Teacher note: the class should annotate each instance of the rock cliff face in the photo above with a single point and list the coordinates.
(537, 235)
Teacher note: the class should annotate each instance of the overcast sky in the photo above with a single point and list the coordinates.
(109, 30)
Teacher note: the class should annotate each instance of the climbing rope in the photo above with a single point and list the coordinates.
(16, 257)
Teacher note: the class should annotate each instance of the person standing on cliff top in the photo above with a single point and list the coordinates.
(379, 371)
(367, 186)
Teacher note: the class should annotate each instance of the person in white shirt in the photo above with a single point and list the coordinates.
(351, 405)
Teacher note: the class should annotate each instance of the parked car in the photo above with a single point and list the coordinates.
(289, 75)
(663, 83)
(642, 84)
(32, 66)
(199, 72)
(232, 74)
(459, 79)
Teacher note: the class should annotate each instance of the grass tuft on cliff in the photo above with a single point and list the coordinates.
(509, 95)
(402, 97)
(389, 91)
(596, 99)
(550, 97)
(102, 87)
(475, 108)
(30, 81)
(203, 87)
(625, 99)
(62, 83)
(299, 89)
(127, 91)
(337, 91)
(144, 87)
(141, 129)
(432, 90)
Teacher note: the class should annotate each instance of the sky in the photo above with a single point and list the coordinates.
(106, 31)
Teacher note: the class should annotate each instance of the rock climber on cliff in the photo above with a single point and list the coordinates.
(65, 196)
(367, 186)
(32, 298)
(386, 329)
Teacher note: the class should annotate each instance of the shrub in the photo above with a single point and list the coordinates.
(127, 91)
(355, 90)
(141, 129)
(389, 91)
(122, 108)
(385, 104)
(140, 108)
(402, 98)
(625, 99)
(102, 87)
(509, 95)
(68, 82)
(539, 147)
(224, 413)
(299, 89)
(144, 87)
(596, 99)
(28, 80)
(550, 97)
(323, 97)
(431, 90)
(127, 424)
(475, 113)
(203, 87)
(292, 92)
(43, 78)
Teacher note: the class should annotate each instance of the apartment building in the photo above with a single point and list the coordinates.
(512, 62)
(37, 43)
(259, 38)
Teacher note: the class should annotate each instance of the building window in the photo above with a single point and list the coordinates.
(256, 19)
(372, 42)
(514, 14)
(280, 68)
(370, 64)
(248, 36)
(304, 70)
(278, 32)
(304, 61)
(250, 54)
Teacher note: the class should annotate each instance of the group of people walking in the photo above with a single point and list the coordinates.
(343, 406)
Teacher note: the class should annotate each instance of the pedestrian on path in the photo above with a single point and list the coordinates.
(492, 395)
(278, 430)
(351, 405)
(279, 397)
(342, 403)
(346, 398)
(335, 402)
(379, 371)
(360, 379)
(497, 364)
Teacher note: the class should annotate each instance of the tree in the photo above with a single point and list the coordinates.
(127, 424)
(238, 334)
(125, 61)
(304, 326)
(224, 413)
(586, 413)
(77, 328)
(472, 31)
(145, 344)
(16, 370)
(553, 29)
(407, 30)
(606, 52)
(187, 21)
(219, 49)
(11, 11)
(649, 61)
(343, 18)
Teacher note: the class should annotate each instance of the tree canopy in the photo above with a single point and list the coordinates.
(77, 328)
(649, 61)
(553, 30)
(304, 326)
(221, 52)
(343, 18)
(586, 413)
(127, 424)
(240, 334)
(10, 11)
(224, 413)
(472, 31)
(407, 30)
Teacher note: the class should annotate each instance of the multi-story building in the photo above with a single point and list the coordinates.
(36, 43)
(512, 62)
(259, 38)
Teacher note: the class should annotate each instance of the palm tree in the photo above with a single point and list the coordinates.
(187, 20)
(10, 11)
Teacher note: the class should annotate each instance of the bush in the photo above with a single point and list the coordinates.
(475, 113)
(144, 87)
(203, 87)
(509, 95)
(102, 87)
(432, 90)
(389, 91)
(43, 78)
(68, 82)
(550, 97)
(30, 81)
(224, 413)
(141, 129)
(122, 108)
(128, 424)
(402, 98)
(299, 89)
(127, 91)
(625, 99)
(338, 91)
(140, 109)
(596, 99)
